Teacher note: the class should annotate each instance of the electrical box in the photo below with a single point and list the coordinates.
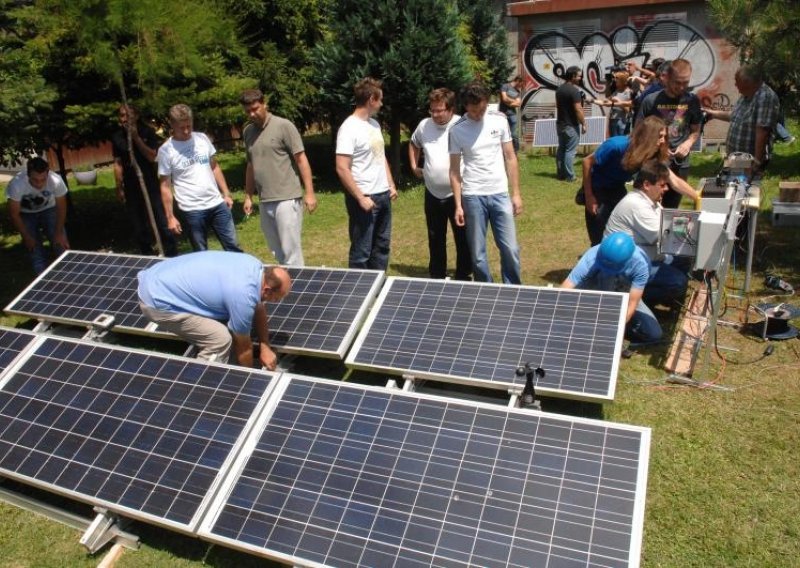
(718, 202)
(679, 230)
(711, 240)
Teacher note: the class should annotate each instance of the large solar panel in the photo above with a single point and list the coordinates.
(545, 134)
(12, 343)
(80, 286)
(320, 315)
(142, 434)
(478, 334)
(345, 475)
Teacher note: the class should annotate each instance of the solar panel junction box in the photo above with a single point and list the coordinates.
(679, 231)
(719, 203)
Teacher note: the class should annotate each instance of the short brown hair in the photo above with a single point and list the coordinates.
(180, 112)
(678, 65)
(652, 171)
(366, 89)
(474, 92)
(442, 95)
(250, 96)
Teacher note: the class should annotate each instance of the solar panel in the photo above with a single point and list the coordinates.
(320, 315)
(323, 311)
(545, 134)
(80, 286)
(478, 334)
(12, 343)
(142, 434)
(346, 475)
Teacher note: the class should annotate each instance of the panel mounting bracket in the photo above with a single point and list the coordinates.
(107, 527)
(409, 383)
(99, 327)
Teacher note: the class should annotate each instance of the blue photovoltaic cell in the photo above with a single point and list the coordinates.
(480, 333)
(323, 310)
(81, 286)
(319, 316)
(348, 476)
(145, 434)
(12, 343)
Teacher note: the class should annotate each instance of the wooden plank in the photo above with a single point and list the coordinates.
(690, 336)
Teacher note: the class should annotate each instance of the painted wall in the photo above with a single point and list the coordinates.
(595, 40)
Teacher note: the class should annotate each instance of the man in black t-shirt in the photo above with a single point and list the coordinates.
(145, 146)
(570, 122)
(682, 113)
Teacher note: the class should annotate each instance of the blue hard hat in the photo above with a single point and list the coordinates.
(614, 253)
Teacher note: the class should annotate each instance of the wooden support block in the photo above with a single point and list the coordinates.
(689, 337)
(789, 191)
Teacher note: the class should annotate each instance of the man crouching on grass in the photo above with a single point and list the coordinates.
(192, 295)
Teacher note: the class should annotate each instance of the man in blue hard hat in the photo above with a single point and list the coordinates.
(618, 265)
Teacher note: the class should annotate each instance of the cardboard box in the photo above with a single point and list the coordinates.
(790, 192)
(785, 214)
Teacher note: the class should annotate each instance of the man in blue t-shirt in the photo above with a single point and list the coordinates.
(618, 265)
(192, 295)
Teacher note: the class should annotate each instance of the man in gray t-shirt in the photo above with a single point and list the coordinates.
(272, 142)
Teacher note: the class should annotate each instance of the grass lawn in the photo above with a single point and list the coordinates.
(724, 481)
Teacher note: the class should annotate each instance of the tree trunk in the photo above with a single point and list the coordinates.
(395, 147)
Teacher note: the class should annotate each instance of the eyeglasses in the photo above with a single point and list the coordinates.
(438, 110)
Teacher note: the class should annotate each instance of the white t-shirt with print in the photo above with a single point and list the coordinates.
(480, 144)
(362, 140)
(32, 200)
(188, 164)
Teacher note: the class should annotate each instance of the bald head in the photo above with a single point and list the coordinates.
(276, 284)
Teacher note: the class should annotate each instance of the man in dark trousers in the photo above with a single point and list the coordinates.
(570, 122)
(145, 146)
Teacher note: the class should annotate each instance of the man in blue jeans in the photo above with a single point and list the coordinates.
(570, 122)
(186, 162)
(37, 204)
(483, 141)
(618, 265)
(364, 172)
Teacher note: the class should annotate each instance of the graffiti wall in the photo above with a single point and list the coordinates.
(546, 55)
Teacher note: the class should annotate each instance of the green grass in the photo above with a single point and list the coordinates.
(724, 485)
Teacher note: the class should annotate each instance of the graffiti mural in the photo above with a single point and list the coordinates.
(546, 57)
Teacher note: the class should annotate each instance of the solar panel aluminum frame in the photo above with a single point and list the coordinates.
(150, 329)
(206, 528)
(515, 387)
(355, 324)
(190, 527)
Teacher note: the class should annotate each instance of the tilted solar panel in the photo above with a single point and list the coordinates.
(478, 334)
(320, 316)
(142, 434)
(348, 476)
(80, 286)
(322, 312)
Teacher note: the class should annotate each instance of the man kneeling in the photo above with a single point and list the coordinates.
(192, 295)
(618, 265)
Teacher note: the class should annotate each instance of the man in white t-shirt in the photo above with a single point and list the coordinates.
(639, 215)
(186, 162)
(483, 141)
(430, 140)
(364, 172)
(37, 204)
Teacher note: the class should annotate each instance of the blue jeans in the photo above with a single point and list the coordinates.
(512, 125)
(221, 221)
(479, 211)
(36, 224)
(667, 284)
(643, 327)
(370, 232)
(568, 139)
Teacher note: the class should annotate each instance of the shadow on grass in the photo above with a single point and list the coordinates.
(413, 270)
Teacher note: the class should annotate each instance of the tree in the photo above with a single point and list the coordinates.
(485, 34)
(412, 45)
(765, 31)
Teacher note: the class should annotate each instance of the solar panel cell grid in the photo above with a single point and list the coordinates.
(143, 433)
(12, 343)
(347, 476)
(480, 333)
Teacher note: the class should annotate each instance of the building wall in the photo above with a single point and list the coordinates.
(549, 42)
